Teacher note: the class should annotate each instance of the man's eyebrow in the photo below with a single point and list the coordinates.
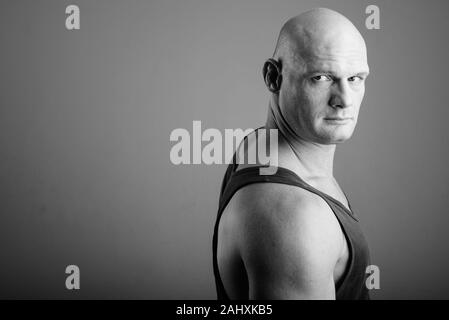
(328, 71)
(364, 73)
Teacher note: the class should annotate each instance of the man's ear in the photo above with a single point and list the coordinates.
(272, 74)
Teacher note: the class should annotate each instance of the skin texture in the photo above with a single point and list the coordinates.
(279, 241)
(320, 72)
(325, 64)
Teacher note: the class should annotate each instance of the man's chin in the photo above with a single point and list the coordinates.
(336, 139)
(341, 141)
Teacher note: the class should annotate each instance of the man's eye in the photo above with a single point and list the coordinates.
(355, 79)
(321, 78)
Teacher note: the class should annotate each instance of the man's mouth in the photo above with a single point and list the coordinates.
(338, 120)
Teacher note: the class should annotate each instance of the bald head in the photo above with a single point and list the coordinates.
(313, 33)
(317, 75)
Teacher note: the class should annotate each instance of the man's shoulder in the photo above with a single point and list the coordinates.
(281, 208)
(279, 199)
(278, 219)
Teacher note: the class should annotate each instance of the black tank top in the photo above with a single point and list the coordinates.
(352, 285)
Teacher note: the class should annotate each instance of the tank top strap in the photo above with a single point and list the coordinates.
(236, 180)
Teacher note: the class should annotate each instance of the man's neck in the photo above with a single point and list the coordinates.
(307, 159)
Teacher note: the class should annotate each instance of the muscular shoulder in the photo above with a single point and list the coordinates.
(288, 237)
(283, 208)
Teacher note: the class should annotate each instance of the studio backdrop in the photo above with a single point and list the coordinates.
(86, 114)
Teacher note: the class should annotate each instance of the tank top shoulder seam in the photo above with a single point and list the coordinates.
(291, 179)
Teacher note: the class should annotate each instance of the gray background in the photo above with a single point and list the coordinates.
(85, 120)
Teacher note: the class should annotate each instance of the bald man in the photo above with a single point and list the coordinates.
(294, 235)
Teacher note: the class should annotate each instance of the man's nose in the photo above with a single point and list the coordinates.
(341, 96)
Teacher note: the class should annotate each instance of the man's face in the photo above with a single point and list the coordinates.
(321, 95)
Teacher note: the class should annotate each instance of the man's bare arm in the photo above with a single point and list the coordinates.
(289, 242)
